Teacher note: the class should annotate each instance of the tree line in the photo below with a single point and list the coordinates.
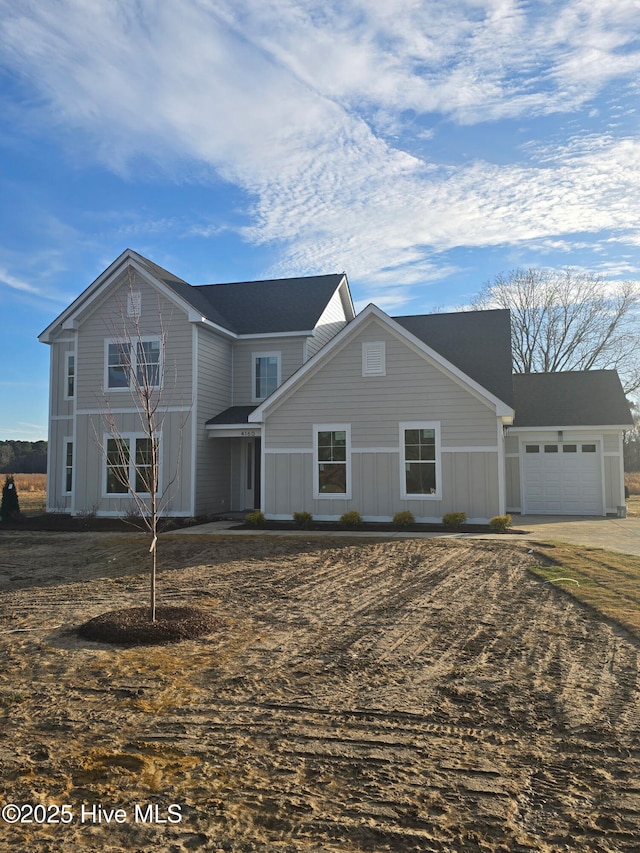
(23, 457)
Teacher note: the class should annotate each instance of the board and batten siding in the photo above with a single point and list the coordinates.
(214, 366)
(413, 389)
(291, 358)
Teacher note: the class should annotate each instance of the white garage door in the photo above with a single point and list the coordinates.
(562, 479)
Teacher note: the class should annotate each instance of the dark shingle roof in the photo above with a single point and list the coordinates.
(234, 415)
(476, 342)
(262, 307)
(573, 398)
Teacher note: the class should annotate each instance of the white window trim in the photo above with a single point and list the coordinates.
(65, 446)
(132, 436)
(133, 343)
(371, 347)
(323, 496)
(407, 496)
(67, 358)
(254, 357)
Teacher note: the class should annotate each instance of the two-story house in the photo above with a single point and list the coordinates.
(275, 395)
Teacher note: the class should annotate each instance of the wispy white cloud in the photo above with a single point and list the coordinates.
(302, 104)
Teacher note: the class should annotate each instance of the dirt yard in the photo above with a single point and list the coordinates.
(420, 695)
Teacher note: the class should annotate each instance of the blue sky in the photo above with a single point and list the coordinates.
(422, 146)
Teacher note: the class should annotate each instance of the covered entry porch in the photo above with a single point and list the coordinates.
(244, 443)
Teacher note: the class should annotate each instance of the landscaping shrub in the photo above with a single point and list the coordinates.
(454, 520)
(351, 518)
(10, 506)
(499, 523)
(303, 520)
(255, 519)
(404, 518)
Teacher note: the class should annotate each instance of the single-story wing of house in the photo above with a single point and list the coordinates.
(275, 395)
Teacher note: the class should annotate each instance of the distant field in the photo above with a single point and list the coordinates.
(32, 491)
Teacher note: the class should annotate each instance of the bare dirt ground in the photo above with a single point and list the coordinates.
(419, 695)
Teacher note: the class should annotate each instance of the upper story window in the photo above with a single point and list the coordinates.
(266, 374)
(128, 359)
(70, 376)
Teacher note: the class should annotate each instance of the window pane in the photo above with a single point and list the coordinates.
(569, 448)
(266, 375)
(118, 367)
(117, 466)
(588, 448)
(70, 376)
(532, 448)
(551, 448)
(148, 371)
(332, 478)
(420, 478)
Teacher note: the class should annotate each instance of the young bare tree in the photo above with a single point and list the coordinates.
(568, 320)
(138, 361)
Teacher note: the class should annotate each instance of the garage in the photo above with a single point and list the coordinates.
(562, 478)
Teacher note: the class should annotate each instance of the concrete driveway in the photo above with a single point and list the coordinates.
(612, 534)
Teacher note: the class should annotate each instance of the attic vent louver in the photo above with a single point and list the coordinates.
(373, 358)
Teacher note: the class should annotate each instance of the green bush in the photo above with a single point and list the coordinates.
(351, 518)
(303, 520)
(255, 519)
(454, 520)
(404, 518)
(500, 523)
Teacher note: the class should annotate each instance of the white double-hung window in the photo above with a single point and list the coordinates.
(129, 464)
(265, 374)
(137, 362)
(332, 461)
(420, 475)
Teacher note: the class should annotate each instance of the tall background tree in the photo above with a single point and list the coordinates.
(569, 320)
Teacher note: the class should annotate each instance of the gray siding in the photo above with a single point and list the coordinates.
(413, 389)
(291, 358)
(214, 372)
(105, 320)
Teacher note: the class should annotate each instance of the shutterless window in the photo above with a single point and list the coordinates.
(569, 448)
(118, 365)
(143, 462)
(71, 375)
(332, 462)
(532, 448)
(551, 448)
(266, 370)
(148, 363)
(68, 467)
(117, 466)
(588, 448)
(420, 461)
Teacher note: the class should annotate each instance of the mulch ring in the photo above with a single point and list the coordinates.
(132, 626)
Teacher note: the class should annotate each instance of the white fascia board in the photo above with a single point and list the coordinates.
(45, 336)
(259, 335)
(71, 317)
(315, 363)
(345, 293)
(514, 430)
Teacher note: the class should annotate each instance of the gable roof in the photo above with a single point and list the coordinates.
(503, 409)
(263, 307)
(266, 307)
(477, 342)
(572, 398)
